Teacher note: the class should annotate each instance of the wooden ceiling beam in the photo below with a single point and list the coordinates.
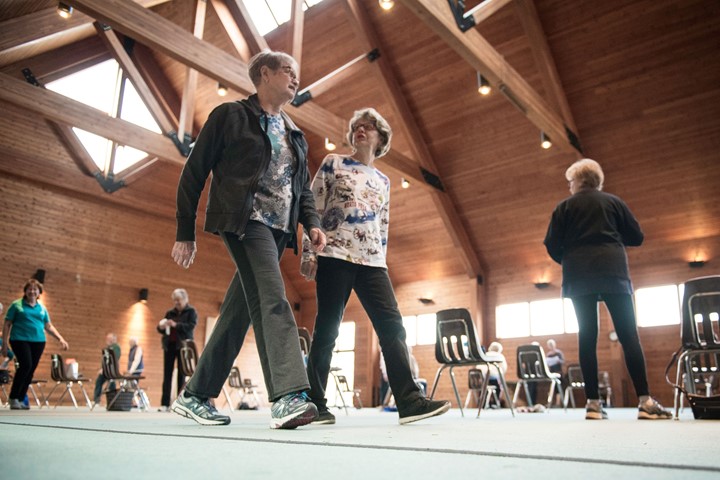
(478, 52)
(231, 28)
(61, 109)
(384, 72)
(157, 81)
(241, 16)
(75, 149)
(484, 9)
(555, 94)
(295, 31)
(37, 26)
(187, 107)
(115, 46)
(332, 79)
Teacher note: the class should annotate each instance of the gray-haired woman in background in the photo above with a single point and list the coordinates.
(587, 235)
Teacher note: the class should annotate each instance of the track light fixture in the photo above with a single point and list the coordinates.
(329, 145)
(222, 90)
(386, 4)
(545, 141)
(64, 10)
(483, 84)
(404, 183)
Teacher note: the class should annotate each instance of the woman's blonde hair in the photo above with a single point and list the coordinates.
(383, 128)
(587, 173)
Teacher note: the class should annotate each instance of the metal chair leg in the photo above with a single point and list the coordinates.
(457, 395)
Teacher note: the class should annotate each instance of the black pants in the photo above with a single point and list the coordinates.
(622, 312)
(171, 357)
(28, 356)
(335, 281)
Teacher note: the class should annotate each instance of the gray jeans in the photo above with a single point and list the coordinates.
(256, 295)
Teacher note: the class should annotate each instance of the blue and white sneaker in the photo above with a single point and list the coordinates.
(292, 411)
(200, 411)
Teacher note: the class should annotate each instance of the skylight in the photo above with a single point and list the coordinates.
(267, 15)
(102, 86)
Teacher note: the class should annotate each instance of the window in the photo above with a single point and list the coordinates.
(105, 87)
(420, 329)
(267, 15)
(542, 317)
(512, 320)
(658, 306)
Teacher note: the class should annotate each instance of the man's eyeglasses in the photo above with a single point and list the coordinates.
(368, 127)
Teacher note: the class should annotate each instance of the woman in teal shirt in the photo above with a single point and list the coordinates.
(25, 325)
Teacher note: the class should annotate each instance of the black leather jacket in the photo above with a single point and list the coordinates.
(233, 146)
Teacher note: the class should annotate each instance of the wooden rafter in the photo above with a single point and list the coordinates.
(231, 27)
(75, 149)
(478, 52)
(241, 16)
(187, 109)
(332, 79)
(295, 30)
(486, 8)
(157, 81)
(61, 109)
(544, 61)
(131, 71)
(384, 72)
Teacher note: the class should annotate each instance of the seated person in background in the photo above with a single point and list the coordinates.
(554, 357)
(110, 341)
(494, 352)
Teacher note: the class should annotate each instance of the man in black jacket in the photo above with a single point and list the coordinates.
(259, 192)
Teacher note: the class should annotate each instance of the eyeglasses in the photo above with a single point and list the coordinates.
(368, 127)
(289, 71)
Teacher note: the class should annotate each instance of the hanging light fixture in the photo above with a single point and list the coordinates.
(545, 141)
(329, 145)
(404, 183)
(64, 10)
(483, 85)
(222, 90)
(386, 4)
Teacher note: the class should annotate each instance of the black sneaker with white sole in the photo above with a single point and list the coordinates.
(324, 418)
(422, 408)
(200, 411)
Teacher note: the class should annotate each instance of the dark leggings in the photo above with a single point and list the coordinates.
(28, 356)
(622, 312)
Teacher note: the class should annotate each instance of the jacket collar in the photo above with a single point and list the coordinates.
(253, 104)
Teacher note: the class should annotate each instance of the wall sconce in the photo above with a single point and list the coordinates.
(426, 301)
(386, 4)
(143, 295)
(64, 10)
(483, 85)
(542, 285)
(222, 90)
(545, 141)
(329, 146)
(404, 183)
(696, 264)
(39, 275)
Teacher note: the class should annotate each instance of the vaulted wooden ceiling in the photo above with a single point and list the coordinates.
(635, 84)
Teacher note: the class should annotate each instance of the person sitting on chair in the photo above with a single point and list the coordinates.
(111, 342)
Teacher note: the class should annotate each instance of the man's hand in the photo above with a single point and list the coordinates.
(317, 238)
(184, 253)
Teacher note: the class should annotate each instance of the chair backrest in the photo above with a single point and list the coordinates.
(342, 381)
(234, 379)
(110, 368)
(456, 341)
(700, 310)
(188, 357)
(305, 340)
(575, 376)
(475, 379)
(531, 363)
(57, 370)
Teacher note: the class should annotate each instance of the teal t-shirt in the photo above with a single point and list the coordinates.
(28, 322)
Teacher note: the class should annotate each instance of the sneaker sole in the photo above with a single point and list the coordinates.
(653, 416)
(324, 422)
(295, 420)
(595, 416)
(415, 418)
(184, 412)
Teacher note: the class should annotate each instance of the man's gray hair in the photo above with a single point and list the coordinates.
(586, 172)
(180, 292)
(270, 59)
